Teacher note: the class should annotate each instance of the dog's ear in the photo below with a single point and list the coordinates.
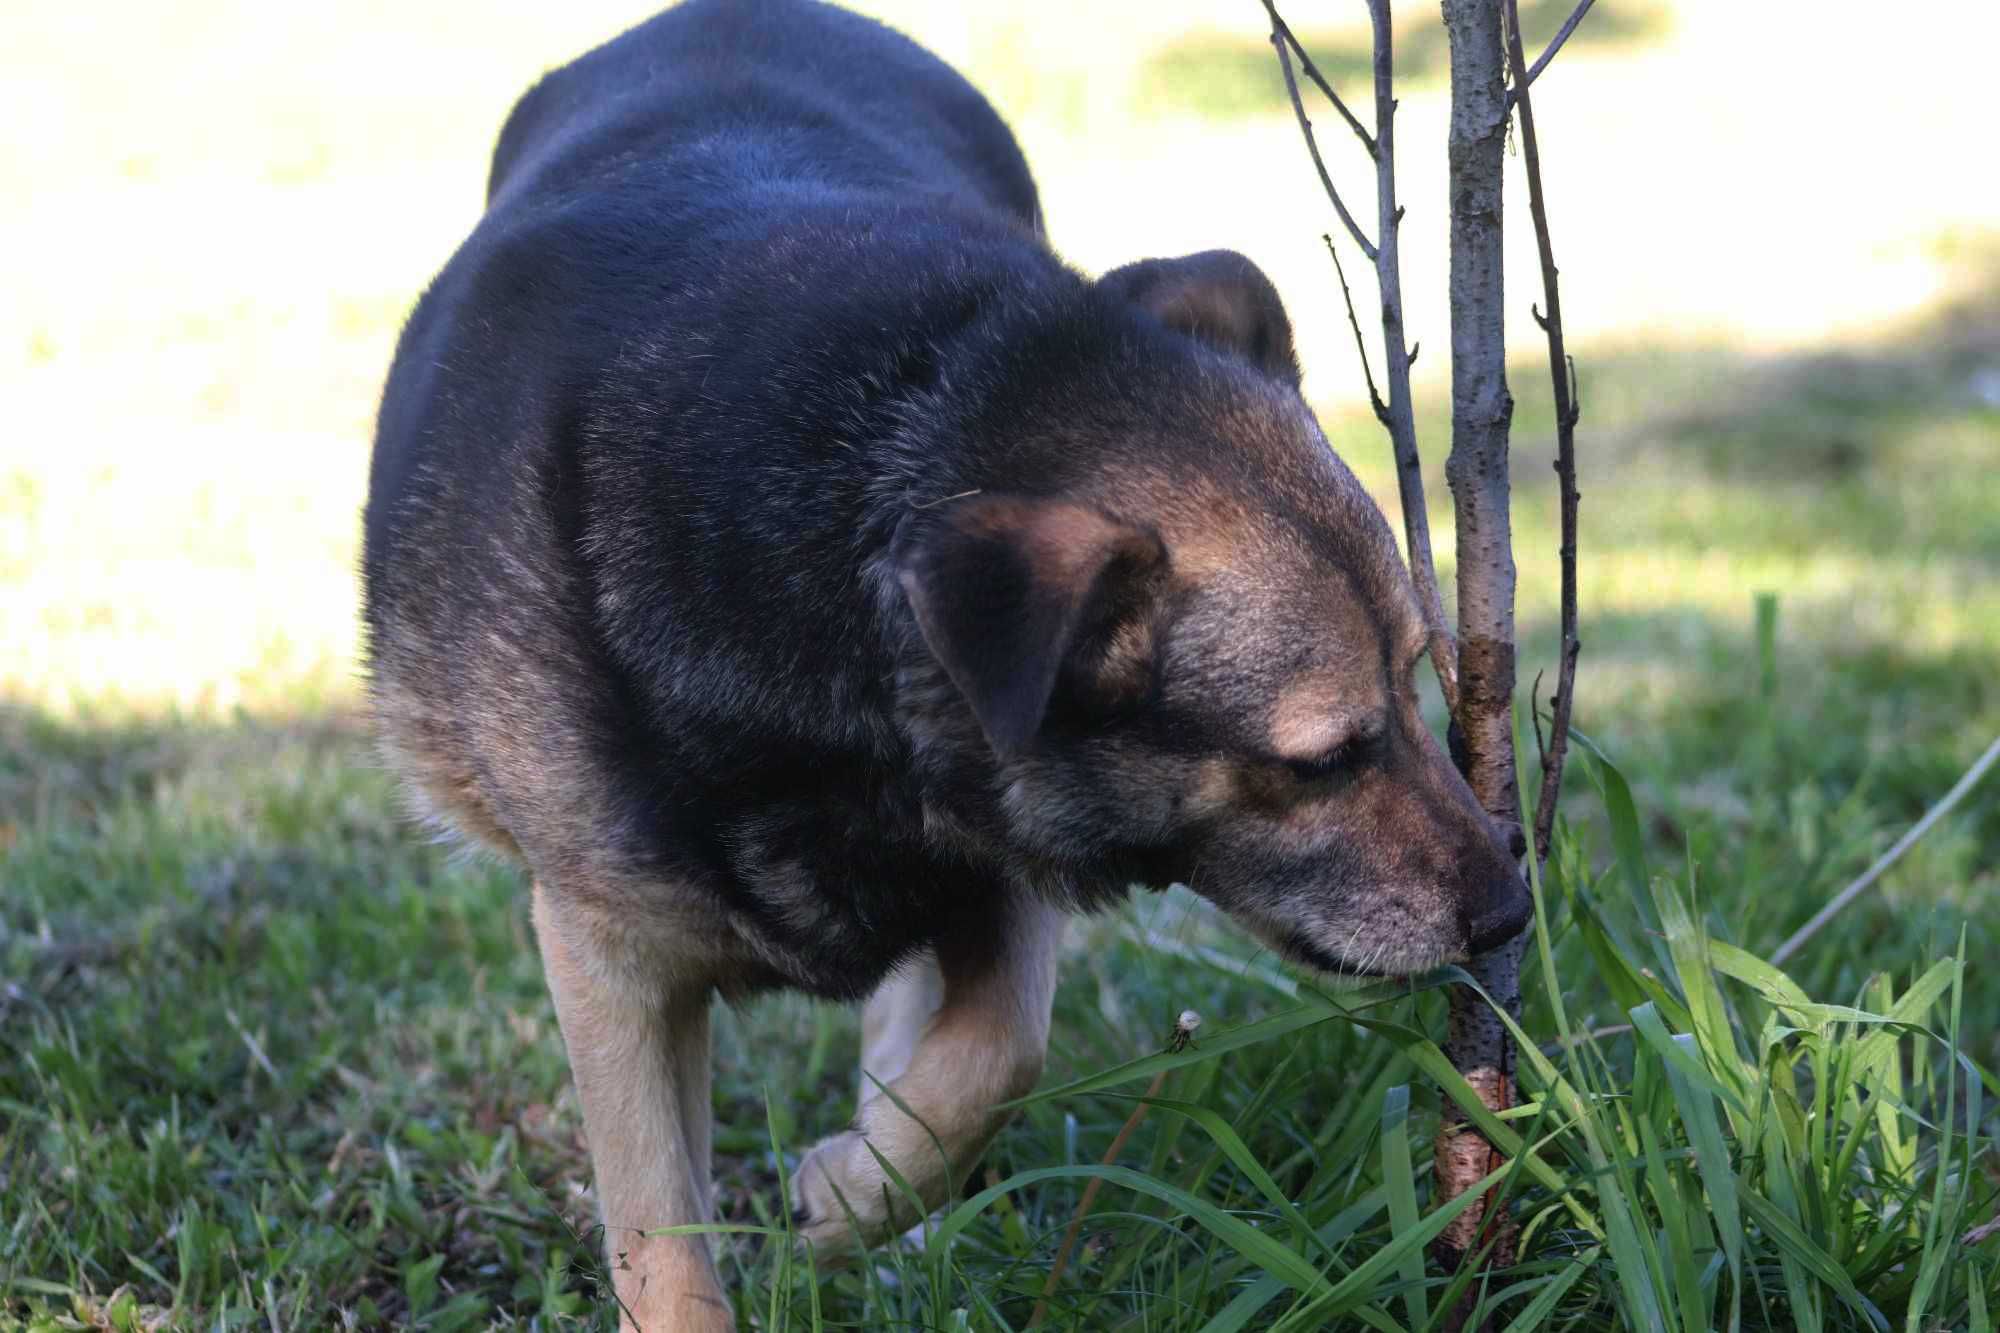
(1010, 591)
(1218, 297)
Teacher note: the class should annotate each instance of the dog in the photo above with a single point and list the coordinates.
(814, 583)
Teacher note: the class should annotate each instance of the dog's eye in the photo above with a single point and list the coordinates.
(1324, 766)
(1343, 756)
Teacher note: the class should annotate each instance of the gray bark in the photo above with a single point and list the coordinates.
(1482, 411)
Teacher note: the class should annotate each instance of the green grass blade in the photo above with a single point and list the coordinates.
(1708, 1012)
(1246, 1304)
(1941, 1222)
(1221, 1043)
(1353, 1289)
(1800, 1247)
(1678, 1058)
(1232, 1231)
(1537, 1311)
(1767, 647)
(1232, 1147)
(1628, 844)
(1718, 1177)
(1399, 1184)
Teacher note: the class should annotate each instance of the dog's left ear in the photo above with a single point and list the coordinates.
(1218, 297)
(1013, 594)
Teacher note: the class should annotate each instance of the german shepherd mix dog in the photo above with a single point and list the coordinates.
(817, 584)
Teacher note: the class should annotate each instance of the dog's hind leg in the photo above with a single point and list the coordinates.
(638, 1049)
(984, 1045)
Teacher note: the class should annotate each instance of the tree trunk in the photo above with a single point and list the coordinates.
(1482, 410)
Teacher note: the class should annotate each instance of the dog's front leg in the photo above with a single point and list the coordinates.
(984, 1045)
(893, 1022)
(638, 1049)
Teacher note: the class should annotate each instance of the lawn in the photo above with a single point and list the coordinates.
(270, 1058)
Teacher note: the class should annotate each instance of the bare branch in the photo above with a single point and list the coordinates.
(1562, 379)
(1070, 1233)
(1360, 344)
(1397, 414)
(1522, 81)
(1890, 857)
(1312, 144)
(1281, 29)
(1397, 360)
(1535, 716)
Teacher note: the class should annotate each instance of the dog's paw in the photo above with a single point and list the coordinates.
(843, 1199)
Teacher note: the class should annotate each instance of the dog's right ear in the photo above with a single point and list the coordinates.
(1218, 297)
(1006, 589)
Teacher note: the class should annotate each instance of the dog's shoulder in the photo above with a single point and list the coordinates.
(748, 78)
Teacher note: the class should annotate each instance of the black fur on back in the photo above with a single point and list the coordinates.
(758, 281)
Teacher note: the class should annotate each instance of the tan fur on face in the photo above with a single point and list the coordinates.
(1315, 714)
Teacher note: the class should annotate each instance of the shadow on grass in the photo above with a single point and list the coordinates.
(1225, 75)
(258, 1036)
(1884, 452)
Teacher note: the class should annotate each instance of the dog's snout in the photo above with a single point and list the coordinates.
(1505, 914)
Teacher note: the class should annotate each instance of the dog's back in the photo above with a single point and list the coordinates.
(618, 443)
(797, 89)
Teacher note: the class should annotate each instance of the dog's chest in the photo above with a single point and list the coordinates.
(840, 889)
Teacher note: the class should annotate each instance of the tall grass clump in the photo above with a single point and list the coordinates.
(1700, 1144)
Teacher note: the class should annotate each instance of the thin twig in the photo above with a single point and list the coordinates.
(1561, 372)
(1890, 857)
(1083, 1204)
(1312, 72)
(1541, 62)
(1360, 344)
(1535, 716)
(1396, 366)
(1279, 44)
(1580, 1038)
(1397, 415)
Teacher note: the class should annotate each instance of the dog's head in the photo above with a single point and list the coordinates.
(1191, 646)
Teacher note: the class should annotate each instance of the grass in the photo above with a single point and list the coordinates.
(277, 1062)
(273, 1059)
(268, 1058)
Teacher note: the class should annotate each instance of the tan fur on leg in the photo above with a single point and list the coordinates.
(984, 1045)
(894, 1020)
(639, 1054)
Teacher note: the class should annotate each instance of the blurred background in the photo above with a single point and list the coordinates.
(1778, 226)
(1779, 233)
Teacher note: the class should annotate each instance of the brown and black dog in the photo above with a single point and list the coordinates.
(816, 584)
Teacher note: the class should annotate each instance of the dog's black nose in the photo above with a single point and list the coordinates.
(1500, 918)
